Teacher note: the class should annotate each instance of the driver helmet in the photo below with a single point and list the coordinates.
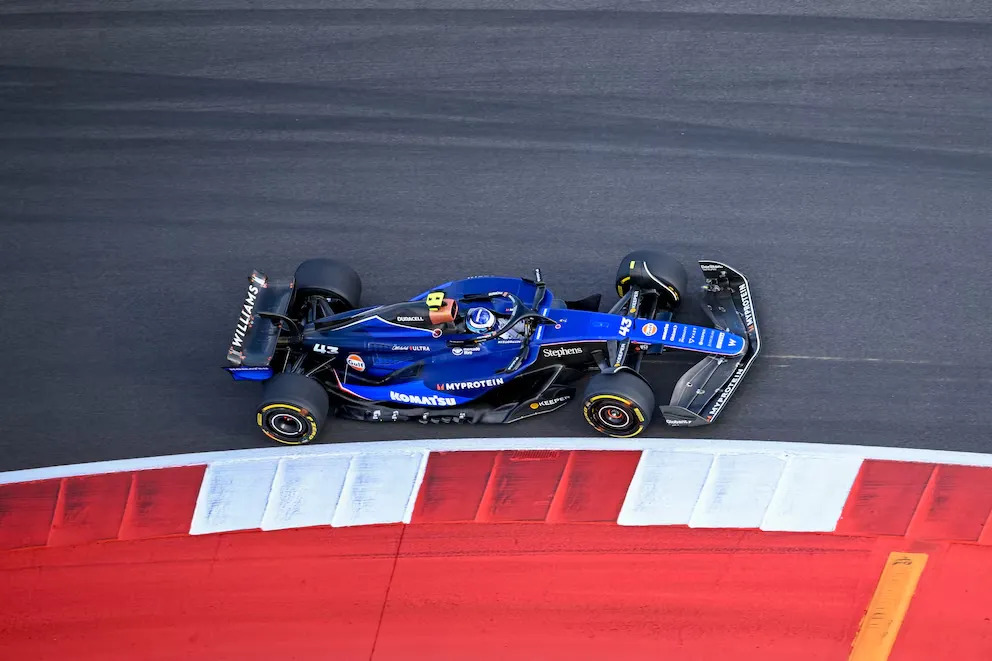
(480, 320)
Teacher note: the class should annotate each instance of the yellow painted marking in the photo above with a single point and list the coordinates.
(887, 609)
(632, 262)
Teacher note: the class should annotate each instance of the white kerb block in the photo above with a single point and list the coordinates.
(305, 491)
(811, 493)
(380, 488)
(233, 496)
(665, 487)
(738, 491)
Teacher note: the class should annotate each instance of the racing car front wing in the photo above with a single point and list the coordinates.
(702, 392)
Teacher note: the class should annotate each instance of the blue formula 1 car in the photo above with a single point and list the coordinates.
(487, 349)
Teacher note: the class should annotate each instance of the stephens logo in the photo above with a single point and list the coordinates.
(649, 329)
(561, 352)
(428, 400)
(356, 363)
(469, 385)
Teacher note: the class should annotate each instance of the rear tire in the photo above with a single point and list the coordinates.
(334, 280)
(648, 269)
(293, 409)
(620, 404)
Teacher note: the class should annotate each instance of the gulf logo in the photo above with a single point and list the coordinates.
(649, 329)
(356, 363)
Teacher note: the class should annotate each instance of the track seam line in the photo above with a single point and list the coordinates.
(385, 599)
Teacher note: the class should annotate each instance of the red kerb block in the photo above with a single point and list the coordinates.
(453, 485)
(594, 486)
(161, 502)
(89, 508)
(884, 497)
(955, 506)
(26, 511)
(522, 485)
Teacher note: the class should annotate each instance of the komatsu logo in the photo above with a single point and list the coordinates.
(470, 385)
(561, 352)
(426, 400)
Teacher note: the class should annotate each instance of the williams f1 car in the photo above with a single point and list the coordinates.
(487, 349)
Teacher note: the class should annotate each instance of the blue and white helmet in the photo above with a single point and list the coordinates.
(480, 320)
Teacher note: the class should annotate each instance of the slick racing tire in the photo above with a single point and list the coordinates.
(332, 279)
(618, 404)
(293, 409)
(648, 269)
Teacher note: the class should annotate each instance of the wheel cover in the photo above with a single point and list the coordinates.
(287, 424)
(613, 416)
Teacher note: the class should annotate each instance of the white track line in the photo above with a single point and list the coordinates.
(782, 449)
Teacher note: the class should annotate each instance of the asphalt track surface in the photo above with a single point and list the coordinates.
(151, 157)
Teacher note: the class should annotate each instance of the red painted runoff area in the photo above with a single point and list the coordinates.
(486, 592)
(951, 613)
(314, 593)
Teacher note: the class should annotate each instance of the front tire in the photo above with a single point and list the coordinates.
(293, 409)
(618, 404)
(648, 269)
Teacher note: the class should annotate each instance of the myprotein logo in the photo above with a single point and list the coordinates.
(748, 311)
(727, 392)
(244, 320)
(469, 385)
(561, 352)
(425, 400)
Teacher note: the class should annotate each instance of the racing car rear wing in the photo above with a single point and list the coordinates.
(702, 392)
(257, 333)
